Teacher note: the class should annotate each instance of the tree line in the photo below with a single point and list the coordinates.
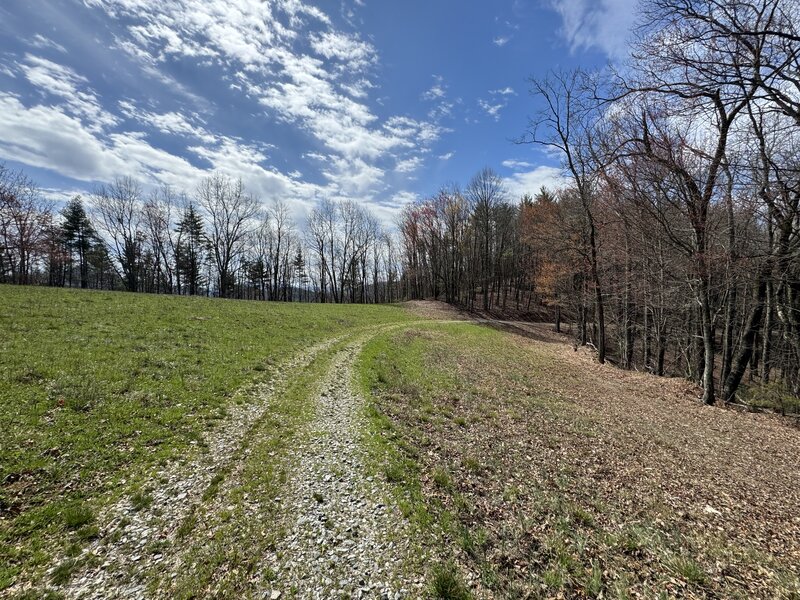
(219, 241)
(674, 246)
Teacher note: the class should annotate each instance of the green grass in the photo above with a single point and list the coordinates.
(772, 396)
(77, 516)
(141, 500)
(95, 387)
(446, 584)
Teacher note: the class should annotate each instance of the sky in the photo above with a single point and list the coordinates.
(381, 101)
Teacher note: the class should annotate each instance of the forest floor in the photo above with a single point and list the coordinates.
(540, 473)
(358, 452)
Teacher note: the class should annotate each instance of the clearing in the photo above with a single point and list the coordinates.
(176, 448)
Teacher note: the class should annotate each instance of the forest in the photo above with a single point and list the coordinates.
(673, 245)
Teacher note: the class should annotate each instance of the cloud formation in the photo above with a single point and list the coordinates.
(282, 60)
(601, 24)
(531, 181)
(498, 101)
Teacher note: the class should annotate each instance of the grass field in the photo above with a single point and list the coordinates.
(149, 449)
(97, 387)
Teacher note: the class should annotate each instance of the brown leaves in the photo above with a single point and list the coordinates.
(580, 477)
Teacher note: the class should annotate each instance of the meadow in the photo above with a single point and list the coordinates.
(96, 387)
(160, 447)
(539, 473)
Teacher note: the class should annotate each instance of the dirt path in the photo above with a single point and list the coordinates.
(117, 562)
(343, 540)
(336, 535)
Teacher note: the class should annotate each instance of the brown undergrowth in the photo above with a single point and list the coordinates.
(548, 475)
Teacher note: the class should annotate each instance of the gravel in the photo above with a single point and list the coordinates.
(343, 540)
(120, 568)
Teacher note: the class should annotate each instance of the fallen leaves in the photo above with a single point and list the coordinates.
(597, 478)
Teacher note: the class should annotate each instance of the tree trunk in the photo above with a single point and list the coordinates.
(766, 347)
(708, 346)
(745, 352)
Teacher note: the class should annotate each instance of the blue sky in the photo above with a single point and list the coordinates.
(377, 100)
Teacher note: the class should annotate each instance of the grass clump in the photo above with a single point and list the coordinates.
(77, 516)
(688, 569)
(46, 594)
(63, 572)
(141, 500)
(594, 582)
(446, 584)
(213, 486)
(442, 478)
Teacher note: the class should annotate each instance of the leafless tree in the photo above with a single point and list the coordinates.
(229, 209)
(566, 124)
(158, 217)
(24, 218)
(120, 211)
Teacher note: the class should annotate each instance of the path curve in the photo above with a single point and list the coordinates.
(121, 568)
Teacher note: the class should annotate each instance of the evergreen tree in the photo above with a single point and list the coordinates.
(190, 251)
(79, 236)
(299, 265)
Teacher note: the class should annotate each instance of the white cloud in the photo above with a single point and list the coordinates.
(499, 101)
(516, 165)
(601, 24)
(61, 196)
(285, 55)
(506, 91)
(359, 89)
(173, 123)
(501, 40)
(45, 137)
(493, 110)
(354, 53)
(405, 197)
(40, 41)
(437, 91)
(57, 80)
(530, 182)
(409, 165)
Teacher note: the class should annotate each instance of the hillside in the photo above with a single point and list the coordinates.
(169, 447)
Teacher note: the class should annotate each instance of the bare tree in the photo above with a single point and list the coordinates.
(280, 239)
(484, 192)
(567, 124)
(24, 219)
(229, 209)
(119, 206)
(158, 216)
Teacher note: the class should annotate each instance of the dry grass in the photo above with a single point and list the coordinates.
(566, 478)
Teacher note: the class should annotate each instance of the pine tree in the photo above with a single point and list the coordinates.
(79, 236)
(299, 265)
(190, 251)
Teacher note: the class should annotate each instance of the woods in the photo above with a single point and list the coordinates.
(221, 240)
(673, 245)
